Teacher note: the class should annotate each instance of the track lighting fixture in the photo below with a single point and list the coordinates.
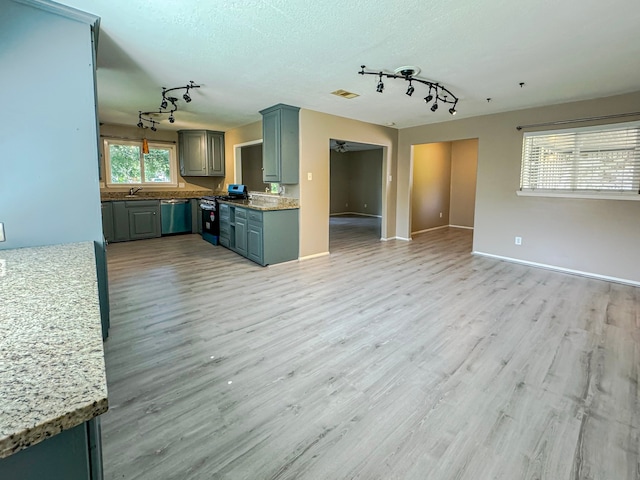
(437, 92)
(169, 102)
(380, 86)
(410, 90)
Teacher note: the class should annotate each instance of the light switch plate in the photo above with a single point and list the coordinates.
(309, 176)
(2, 238)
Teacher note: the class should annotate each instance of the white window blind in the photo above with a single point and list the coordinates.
(602, 159)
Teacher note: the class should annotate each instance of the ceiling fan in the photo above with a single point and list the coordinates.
(341, 146)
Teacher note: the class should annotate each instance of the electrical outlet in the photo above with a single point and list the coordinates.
(365, 205)
(181, 185)
(390, 178)
(518, 240)
(440, 214)
(309, 176)
(2, 239)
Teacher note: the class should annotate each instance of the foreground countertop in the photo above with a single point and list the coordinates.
(52, 374)
(287, 204)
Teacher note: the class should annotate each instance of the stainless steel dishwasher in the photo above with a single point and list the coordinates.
(175, 215)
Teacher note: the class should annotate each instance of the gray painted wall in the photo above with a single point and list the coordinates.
(49, 191)
(252, 168)
(431, 189)
(356, 181)
(589, 235)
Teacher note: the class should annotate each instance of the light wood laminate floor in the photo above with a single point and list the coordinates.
(384, 360)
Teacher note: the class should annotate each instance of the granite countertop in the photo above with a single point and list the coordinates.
(142, 195)
(262, 205)
(52, 373)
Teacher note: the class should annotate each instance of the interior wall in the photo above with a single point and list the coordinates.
(589, 235)
(356, 182)
(431, 188)
(339, 182)
(365, 194)
(464, 168)
(316, 129)
(252, 168)
(49, 190)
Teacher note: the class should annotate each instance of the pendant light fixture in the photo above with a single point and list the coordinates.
(437, 92)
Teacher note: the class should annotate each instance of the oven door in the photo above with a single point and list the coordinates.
(210, 223)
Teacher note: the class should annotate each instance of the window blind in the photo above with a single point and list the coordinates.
(589, 159)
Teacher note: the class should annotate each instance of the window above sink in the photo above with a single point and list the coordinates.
(127, 165)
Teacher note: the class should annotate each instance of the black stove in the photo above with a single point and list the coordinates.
(209, 207)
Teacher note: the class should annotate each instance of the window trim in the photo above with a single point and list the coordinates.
(173, 163)
(602, 194)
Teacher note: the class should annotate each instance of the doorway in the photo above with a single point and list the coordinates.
(443, 185)
(248, 165)
(355, 197)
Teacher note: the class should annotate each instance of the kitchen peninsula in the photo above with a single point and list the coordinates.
(52, 372)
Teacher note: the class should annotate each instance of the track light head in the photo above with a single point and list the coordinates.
(153, 128)
(434, 107)
(171, 118)
(163, 104)
(428, 98)
(452, 111)
(186, 97)
(380, 87)
(410, 90)
(140, 124)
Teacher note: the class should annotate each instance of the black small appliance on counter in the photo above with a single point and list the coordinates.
(209, 207)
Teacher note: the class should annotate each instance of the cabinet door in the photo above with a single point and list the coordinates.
(193, 152)
(271, 146)
(241, 236)
(143, 223)
(120, 222)
(254, 243)
(215, 151)
(107, 221)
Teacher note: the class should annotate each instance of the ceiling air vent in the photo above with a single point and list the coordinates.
(345, 94)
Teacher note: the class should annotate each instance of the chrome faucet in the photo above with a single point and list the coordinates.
(134, 190)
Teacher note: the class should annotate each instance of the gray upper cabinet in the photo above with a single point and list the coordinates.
(280, 144)
(201, 153)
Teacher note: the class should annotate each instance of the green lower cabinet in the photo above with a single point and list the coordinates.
(265, 237)
(255, 243)
(133, 220)
(107, 221)
(144, 222)
(74, 454)
(241, 236)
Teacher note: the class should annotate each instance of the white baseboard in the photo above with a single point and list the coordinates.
(354, 213)
(560, 269)
(394, 238)
(461, 226)
(315, 255)
(430, 229)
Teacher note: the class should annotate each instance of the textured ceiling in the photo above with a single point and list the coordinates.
(251, 54)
